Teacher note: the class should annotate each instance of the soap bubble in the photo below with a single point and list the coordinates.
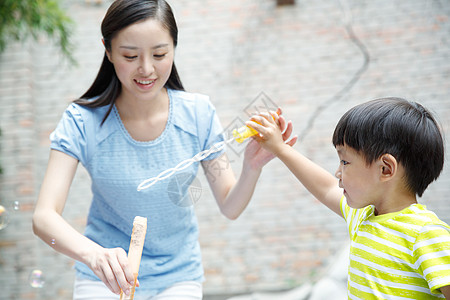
(53, 241)
(16, 205)
(37, 279)
(4, 217)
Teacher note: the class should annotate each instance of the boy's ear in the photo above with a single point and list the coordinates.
(388, 166)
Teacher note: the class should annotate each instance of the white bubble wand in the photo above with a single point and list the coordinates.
(239, 135)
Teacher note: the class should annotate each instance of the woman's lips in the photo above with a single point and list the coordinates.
(145, 84)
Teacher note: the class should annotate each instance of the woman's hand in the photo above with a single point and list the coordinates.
(111, 266)
(273, 131)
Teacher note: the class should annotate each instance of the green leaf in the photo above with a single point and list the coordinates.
(20, 19)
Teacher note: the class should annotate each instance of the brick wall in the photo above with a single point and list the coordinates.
(301, 57)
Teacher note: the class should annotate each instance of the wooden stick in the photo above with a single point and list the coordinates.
(135, 251)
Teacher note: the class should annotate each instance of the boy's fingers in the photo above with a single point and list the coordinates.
(261, 120)
(275, 117)
(268, 118)
(265, 116)
(257, 138)
(254, 125)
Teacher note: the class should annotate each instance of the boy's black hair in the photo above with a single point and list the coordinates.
(402, 128)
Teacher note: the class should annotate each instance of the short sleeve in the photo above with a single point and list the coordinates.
(354, 217)
(432, 255)
(209, 128)
(70, 135)
(348, 214)
(344, 208)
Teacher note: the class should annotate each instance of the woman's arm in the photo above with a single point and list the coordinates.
(232, 196)
(111, 265)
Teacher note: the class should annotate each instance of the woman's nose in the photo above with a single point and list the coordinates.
(146, 68)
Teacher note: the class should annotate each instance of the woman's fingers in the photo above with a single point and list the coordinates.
(107, 276)
(292, 141)
(279, 111)
(111, 266)
(282, 123)
(123, 261)
(118, 263)
(289, 129)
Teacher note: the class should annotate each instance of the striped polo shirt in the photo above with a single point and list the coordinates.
(401, 255)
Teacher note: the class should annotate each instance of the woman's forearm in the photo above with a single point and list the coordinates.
(241, 193)
(61, 236)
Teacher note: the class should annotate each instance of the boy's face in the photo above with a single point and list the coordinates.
(360, 181)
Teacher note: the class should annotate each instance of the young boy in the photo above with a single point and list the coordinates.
(390, 150)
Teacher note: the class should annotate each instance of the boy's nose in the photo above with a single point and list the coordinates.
(338, 173)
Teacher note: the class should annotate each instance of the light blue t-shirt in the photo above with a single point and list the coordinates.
(117, 164)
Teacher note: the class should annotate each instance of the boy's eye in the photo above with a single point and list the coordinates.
(344, 162)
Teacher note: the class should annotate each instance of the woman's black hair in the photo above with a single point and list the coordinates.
(395, 126)
(122, 13)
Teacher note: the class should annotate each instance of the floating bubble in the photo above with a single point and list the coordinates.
(4, 217)
(16, 205)
(37, 279)
(53, 241)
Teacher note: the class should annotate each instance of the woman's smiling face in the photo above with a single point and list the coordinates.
(142, 55)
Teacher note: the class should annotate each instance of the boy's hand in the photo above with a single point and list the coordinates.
(273, 131)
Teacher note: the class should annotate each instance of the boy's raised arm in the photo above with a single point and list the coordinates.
(322, 184)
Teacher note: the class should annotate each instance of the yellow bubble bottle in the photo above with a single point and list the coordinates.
(243, 133)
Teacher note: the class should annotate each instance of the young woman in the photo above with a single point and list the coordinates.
(134, 122)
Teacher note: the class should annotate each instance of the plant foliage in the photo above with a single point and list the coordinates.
(1, 170)
(22, 18)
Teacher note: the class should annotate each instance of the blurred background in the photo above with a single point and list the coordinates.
(316, 59)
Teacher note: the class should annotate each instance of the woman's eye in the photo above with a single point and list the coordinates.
(159, 55)
(130, 57)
